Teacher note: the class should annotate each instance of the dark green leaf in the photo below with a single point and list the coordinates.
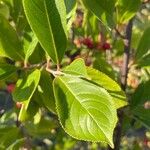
(126, 9)
(44, 127)
(17, 144)
(45, 90)
(70, 5)
(9, 137)
(145, 62)
(140, 102)
(31, 48)
(141, 95)
(29, 111)
(144, 45)
(143, 115)
(6, 71)
(10, 45)
(47, 18)
(102, 9)
(102, 65)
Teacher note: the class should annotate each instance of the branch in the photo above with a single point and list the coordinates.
(124, 73)
(127, 47)
(35, 65)
(119, 34)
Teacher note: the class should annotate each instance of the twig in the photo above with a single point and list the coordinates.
(58, 67)
(54, 73)
(118, 33)
(124, 73)
(45, 65)
(35, 65)
(48, 63)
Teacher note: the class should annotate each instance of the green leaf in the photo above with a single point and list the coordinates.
(141, 94)
(24, 91)
(47, 19)
(6, 71)
(9, 137)
(17, 144)
(145, 62)
(70, 5)
(140, 98)
(86, 111)
(110, 85)
(10, 45)
(102, 65)
(4, 10)
(44, 127)
(28, 111)
(102, 9)
(126, 9)
(37, 56)
(45, 90)
(144, 45)
(26, 86)
(91, 25)
(17, 11)
(143, 115)
(31, 48)
(77, 67)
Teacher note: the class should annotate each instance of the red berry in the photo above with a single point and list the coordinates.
(19, 105)
(10, 88)
(90, 45)
(88, 42)
(106, 46)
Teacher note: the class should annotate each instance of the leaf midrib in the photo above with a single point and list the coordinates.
(50, 29)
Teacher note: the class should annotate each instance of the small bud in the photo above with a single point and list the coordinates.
(88, 42)
(106, 46)
(10, 88)
(19, 105)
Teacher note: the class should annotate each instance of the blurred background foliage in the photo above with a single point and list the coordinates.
(101, 45)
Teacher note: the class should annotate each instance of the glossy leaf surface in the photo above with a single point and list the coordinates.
(26, 86)
(86, 111)
(110, 85)
(47, 19)
(77, 67)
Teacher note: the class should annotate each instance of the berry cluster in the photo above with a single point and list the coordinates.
(89, 43)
